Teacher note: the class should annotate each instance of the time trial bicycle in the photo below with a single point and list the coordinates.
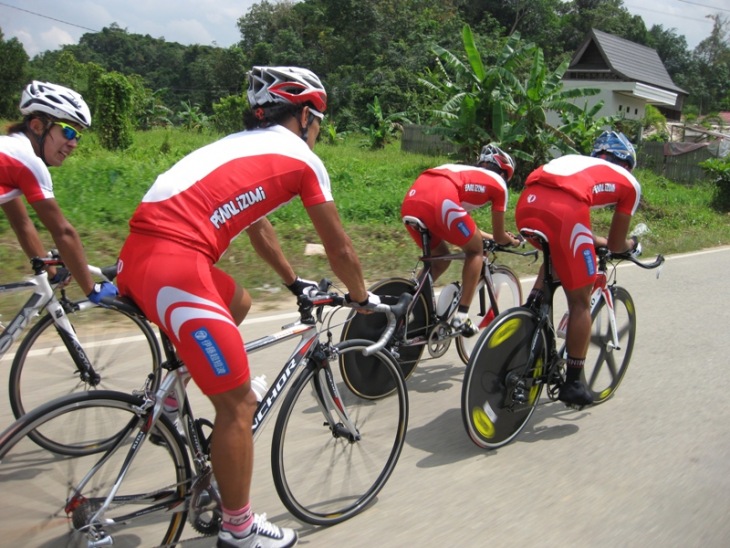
(75, 346)
(332, 451)
(518, 354)
(427, 322)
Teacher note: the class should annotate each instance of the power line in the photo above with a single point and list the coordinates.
(642, 8)
(47, 17)
(704, 5)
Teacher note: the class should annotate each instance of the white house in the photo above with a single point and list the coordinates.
(629, 75)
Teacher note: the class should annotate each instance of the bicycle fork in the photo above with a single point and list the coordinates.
(329, 399)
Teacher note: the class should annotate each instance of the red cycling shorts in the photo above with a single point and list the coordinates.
(566, 222)
(439, 209)
(181, 291)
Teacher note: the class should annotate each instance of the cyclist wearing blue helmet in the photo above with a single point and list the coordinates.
(557, 200)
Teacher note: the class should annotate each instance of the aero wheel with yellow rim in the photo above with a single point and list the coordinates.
(501, 387)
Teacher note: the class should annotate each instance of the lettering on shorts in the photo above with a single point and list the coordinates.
(209, 347)
(590, 263)
(237, 206)
(461, 225)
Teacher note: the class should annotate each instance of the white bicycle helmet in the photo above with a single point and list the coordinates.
(58, 101)
(492, 154)
(285, 85)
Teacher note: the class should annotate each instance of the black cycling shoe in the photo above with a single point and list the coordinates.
(575, 393)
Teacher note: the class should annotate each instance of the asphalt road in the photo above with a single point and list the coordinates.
(651, 467)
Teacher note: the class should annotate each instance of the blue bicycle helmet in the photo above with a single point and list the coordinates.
(616, 144)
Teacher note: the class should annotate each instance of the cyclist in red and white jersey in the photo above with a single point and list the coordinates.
(53, 117)
(557, 200)
(185, 223)
(442, 198)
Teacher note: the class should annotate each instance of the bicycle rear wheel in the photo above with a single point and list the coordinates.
(364, 375)
(39, 500)
(322, 475)
(507, 289)
(122, 351)
(605, 365)
(501, 389)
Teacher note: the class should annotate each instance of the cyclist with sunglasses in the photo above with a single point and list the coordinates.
(53, 117)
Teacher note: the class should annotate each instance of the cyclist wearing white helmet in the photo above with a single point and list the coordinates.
(189, 216)
(557, 200)
(53, 117)
(442, 198)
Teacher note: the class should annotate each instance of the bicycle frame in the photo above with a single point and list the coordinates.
(174, 382)
(43, 296)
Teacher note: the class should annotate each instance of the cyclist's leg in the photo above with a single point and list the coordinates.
(363, 373)
(122, 351)
(44, 503)
(325, 475)
(508, 291)
(606, 365)
(499, 394)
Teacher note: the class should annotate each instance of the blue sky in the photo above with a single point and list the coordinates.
(53, 23)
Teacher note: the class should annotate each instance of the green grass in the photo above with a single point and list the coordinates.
(99, 190)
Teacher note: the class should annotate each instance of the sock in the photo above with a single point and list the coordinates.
(239, 522)
(574, 369)
(463, 309)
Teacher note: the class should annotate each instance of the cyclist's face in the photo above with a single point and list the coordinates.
(57, 146)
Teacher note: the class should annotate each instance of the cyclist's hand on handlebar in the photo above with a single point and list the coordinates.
(363, 306)
(104, 289)
(635, 250)
(301, 287)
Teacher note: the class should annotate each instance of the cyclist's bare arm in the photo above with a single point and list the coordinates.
(25, 230)
(266, 244)
(338, 246)
(617, 241)
(501, 236)
(67, 241)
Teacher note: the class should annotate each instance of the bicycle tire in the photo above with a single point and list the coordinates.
(490, 415)
(363, 374)
(605, 366)
(38, 486)
(507, 289)
(331, 482)
(43, 359)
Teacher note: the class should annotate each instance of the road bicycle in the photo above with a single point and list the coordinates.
(332, 451)
(427, 323)
(75, 346)
(518, 354)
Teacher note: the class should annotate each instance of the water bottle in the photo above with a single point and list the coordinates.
(448, 300)
(259, 387)
(562, 328)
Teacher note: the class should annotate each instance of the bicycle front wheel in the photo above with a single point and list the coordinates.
(121, 353)
(326, 473)
(364, 375)
(502, 383)
(606, 364)
(50, 500)
(507, 290)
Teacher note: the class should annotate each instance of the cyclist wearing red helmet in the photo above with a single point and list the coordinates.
(442, 197)
(185, 223)
(557, 200)
(53, 118)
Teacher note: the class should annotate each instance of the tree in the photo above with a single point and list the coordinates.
(115, 109)
(712, 57)
(14, 76)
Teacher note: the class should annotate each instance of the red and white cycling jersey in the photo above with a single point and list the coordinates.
(441, 198)
(22, 173)
(213, 194)
(593, 181)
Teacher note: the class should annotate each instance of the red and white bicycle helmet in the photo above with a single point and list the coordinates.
(285, 85)
(58, 101)
(492, 154)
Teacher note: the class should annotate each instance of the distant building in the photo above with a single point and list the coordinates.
(629, 75)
